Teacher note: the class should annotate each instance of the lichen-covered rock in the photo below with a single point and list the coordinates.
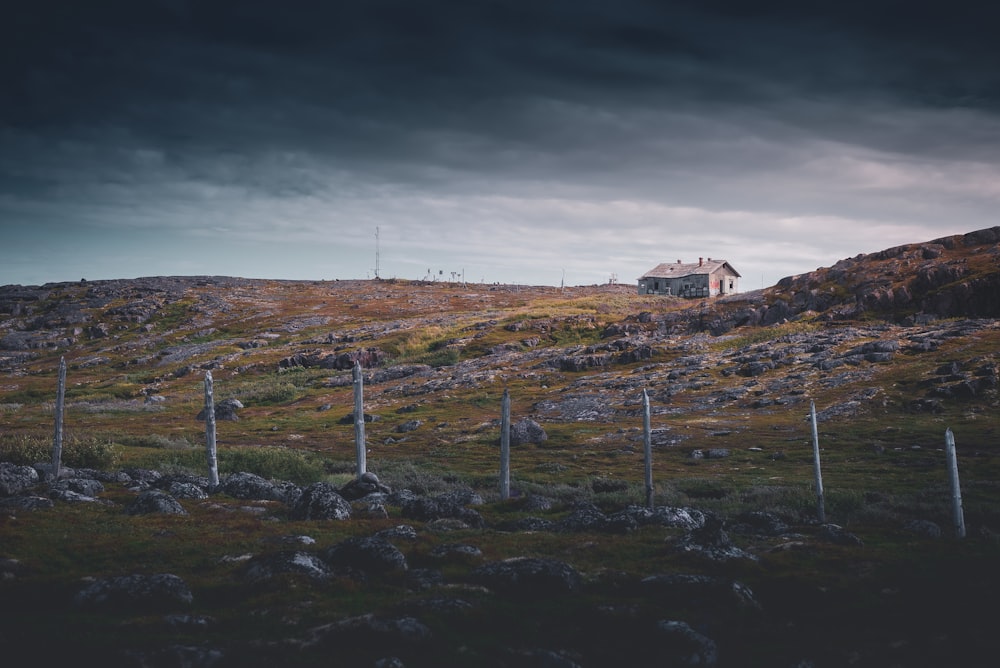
(84, 486)
(367, 554)
(15, 479)
(587, 517)
(186, 490)
(248, 486)
(529, 576)
(154, 501)
(712, 542)
(269, 566)
(427, 509)
(152, 592)
(527, 431)
(321, 501)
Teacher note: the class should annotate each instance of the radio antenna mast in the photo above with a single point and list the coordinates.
(376, 252)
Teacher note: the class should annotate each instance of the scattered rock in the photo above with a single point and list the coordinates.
(153, 501)
(250, 486)
(371, 555)
(147, 592)
(266, 567)
(529, 576)
(680, 645)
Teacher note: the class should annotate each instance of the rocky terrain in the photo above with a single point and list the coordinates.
(140, 561)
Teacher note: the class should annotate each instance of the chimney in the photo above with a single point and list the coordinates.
(699, 261)
(678, 261)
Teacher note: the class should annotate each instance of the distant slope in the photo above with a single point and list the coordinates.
(956, 276)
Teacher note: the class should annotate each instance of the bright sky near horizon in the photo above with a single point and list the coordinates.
(514, 142)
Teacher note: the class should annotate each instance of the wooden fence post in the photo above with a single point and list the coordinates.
(647, 448)
(210, 450)
(57, 440)
(505, 446)
(359, 419)
(820, 507)
(956, 491)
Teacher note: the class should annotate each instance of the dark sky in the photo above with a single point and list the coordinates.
(529, 142)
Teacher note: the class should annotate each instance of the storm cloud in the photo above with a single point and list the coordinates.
(518, 142)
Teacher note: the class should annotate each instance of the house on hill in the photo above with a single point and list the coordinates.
(705, 278)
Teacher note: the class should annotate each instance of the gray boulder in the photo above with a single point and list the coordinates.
(186, 490)
(321, 501)
(269, 566)
(84, 486)
(527, 431)
(529, 576)
(712, 542)
(224, 410)
(369, 554)
(148, 592)
(154, 501)
(428, 509)
(250, 486)
(15, 479)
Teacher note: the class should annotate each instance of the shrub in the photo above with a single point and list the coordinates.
(276, 463)
(77, 453)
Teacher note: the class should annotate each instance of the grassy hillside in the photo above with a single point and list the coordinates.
(725, 378)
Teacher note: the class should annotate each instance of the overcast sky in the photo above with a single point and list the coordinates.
(529, 141)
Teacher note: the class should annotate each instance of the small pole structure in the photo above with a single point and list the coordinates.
(820, 508)
(359, 418)
(956, 490)
(505, 446)
(210, 450)
(57, 440)
(647, 448)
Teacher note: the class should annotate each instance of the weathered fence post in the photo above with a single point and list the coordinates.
(359, 419)
(57, 440)
(820, 507)
(647, 448)
(212, 455)
(956, 490)
(505, 446)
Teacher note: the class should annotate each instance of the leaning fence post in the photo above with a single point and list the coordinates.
(505, 446)
(956, 490)
(57, 440)
(359, 418)
(647, 448)
(820, 508)
(212, 455)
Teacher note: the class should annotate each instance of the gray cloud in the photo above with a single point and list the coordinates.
(510, 136)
